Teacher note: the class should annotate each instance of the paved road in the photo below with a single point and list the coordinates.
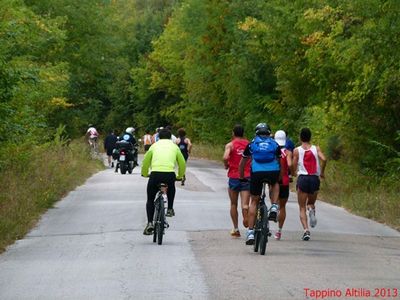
(91, 246)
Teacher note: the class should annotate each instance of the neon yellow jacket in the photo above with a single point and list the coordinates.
(162, 156)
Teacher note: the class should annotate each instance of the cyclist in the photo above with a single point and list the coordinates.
(185, 145)
(286, 164)
(109, 145)
(310, 162)
(93, 136)
(265, 167)
(232, 156)
(161, 158)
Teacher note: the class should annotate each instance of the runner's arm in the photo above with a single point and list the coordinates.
(295, 161)
(289, 160)
(227, 153)
(322, 159)
(189, 143)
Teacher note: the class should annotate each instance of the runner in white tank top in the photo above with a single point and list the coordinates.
(306, 161)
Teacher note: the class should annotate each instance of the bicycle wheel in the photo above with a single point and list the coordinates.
(155, 218)
(264, 230)
(160, 221)
(257, 232)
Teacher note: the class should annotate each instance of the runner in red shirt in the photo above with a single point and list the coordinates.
(232, 156)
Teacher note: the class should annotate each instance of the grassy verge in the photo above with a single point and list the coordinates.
(34, 179)
(213, 152)
(369, 196)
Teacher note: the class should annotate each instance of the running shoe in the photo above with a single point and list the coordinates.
(235, 233)
(149, 229)
(278, 235)
(273, 213)
(306, 236)
(170, 212)
(250, 237)
(313, 219)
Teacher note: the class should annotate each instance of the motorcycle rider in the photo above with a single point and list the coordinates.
(128, 136)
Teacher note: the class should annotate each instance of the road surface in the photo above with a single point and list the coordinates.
(91, 246)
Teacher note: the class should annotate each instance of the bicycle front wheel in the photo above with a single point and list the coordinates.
(264, 232)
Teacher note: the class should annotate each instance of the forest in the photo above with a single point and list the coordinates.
(205, 65)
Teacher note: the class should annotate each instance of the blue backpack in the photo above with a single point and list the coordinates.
(263, 149)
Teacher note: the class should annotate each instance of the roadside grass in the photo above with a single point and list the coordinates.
(34, 179)
(365, 195)
(213, 152)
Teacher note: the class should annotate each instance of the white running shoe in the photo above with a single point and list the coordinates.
(313, 219)
(250, 237)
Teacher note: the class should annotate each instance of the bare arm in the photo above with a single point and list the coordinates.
(189, 143)
(295, 161)
(242, 164)
(289, 160)
(227, 153)
(322, 159)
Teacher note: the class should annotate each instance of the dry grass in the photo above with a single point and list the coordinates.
(213, 152)
(33, 183)
(368, 196)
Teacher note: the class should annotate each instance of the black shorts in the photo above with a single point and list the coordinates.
(110, 152)
(283, 191)
(258, 178)
(308, 183)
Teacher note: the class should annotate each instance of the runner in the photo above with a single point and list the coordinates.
(232, 156)
(185, 145)
(286, 164)
(109, 145)
(306, 161)
(147, 140)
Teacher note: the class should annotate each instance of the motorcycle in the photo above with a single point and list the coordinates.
(126, 155)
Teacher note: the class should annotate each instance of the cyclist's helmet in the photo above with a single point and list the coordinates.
(130, 130)
(263, 129)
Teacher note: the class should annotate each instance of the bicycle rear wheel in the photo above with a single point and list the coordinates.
(161, 221)
(155, 218)
(264, 232)
(257, 233)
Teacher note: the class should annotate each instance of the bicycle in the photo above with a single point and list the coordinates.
(160, 222)
(261, 228)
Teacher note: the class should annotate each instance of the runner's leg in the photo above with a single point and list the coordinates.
(245, 199)
(233, 196)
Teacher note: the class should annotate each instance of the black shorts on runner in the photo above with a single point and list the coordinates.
(283, 191)
(308, 183)
(257, 179)
(109, 151)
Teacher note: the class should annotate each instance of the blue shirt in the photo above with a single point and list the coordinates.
(263, 167)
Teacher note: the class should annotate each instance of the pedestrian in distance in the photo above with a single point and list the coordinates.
(232, 156)
(147, 140)
(286, 165)
(309, 162)
(109, 145)
(185, 145)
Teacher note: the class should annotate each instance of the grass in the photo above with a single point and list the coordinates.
(366, 195)
(213, 152)
(33, 182)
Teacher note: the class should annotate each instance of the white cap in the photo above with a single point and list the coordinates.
(280, 137)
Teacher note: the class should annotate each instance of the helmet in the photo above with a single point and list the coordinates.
(130, 130)
(280, 138)
(263, 129)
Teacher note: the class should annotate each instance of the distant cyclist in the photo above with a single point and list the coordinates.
(161, 159)
(185, 145)
(92, 135)
(310, 162)
(232, 156)
(286, 165)
(265, 167)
